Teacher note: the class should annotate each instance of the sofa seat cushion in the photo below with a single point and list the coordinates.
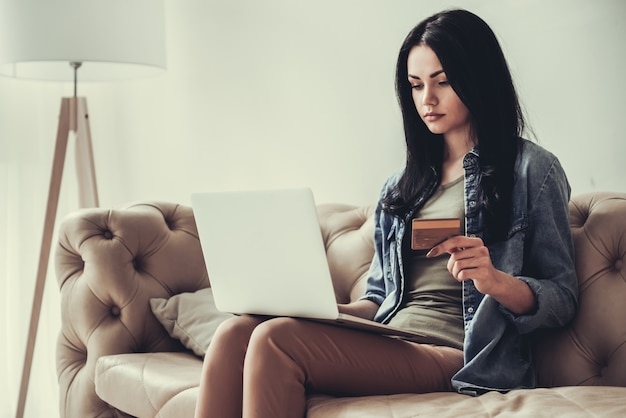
(165, 385)
(150, 384)
(569, 401)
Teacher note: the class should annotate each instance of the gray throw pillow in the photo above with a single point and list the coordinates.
(190, 317)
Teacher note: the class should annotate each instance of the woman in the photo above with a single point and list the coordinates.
(483, 292)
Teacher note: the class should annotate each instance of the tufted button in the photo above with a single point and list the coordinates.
(107, 234)
(115, 311)
(137, 263)
(619, 264)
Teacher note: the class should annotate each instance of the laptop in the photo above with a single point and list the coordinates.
(265, 255)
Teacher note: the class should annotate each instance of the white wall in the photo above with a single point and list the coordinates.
(281, 93)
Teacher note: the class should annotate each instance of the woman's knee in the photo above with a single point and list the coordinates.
(243, 324)
(276, 330)
(234, 332)
(279, 339)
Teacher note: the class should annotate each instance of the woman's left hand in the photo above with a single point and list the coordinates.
(470, 260)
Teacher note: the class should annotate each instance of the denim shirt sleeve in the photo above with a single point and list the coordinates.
(377, 289)
(548, 265)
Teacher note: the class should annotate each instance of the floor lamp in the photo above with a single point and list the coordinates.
(112, 40)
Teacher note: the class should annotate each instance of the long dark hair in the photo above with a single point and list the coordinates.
(477, 71)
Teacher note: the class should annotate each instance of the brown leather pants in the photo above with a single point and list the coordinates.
(264, 369)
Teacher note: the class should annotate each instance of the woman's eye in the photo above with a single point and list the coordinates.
(417, 86)
(444, 83)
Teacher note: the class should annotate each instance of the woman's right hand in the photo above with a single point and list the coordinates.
(362, 308)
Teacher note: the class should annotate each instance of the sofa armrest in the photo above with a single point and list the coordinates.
(109, 264)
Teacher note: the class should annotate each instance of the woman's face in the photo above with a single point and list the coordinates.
(436, 102)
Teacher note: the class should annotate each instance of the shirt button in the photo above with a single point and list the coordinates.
(471, 177)
(472, 236)
(470, 310)
(472, 203)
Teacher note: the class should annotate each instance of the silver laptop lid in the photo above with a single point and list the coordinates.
(264, 252)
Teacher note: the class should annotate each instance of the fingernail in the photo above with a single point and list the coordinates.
(432, 253)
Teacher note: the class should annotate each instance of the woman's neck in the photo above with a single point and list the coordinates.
(454, 150)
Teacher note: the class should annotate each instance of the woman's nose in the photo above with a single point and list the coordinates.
(429, 99)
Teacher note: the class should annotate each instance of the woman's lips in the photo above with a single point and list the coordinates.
(431, 117)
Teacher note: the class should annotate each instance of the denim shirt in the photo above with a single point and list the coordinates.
(538, 250)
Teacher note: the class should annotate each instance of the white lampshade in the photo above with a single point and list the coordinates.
(114, 39)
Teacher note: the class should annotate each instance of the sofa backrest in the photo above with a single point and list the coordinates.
(592, 349)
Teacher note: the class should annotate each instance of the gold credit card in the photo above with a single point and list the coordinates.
(426, 233)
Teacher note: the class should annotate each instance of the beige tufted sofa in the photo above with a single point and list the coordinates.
(115, 359)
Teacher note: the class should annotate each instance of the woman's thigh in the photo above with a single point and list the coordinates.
(341, 361)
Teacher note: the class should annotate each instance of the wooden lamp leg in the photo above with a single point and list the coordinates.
(85, 169)
(73, 117)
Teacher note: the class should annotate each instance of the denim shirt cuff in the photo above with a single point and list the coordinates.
(528, 322)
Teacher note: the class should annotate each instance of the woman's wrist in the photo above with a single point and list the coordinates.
(362, 308)
(514, 294)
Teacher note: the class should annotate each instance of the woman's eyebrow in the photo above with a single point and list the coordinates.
(436, 73)
(433, 75)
